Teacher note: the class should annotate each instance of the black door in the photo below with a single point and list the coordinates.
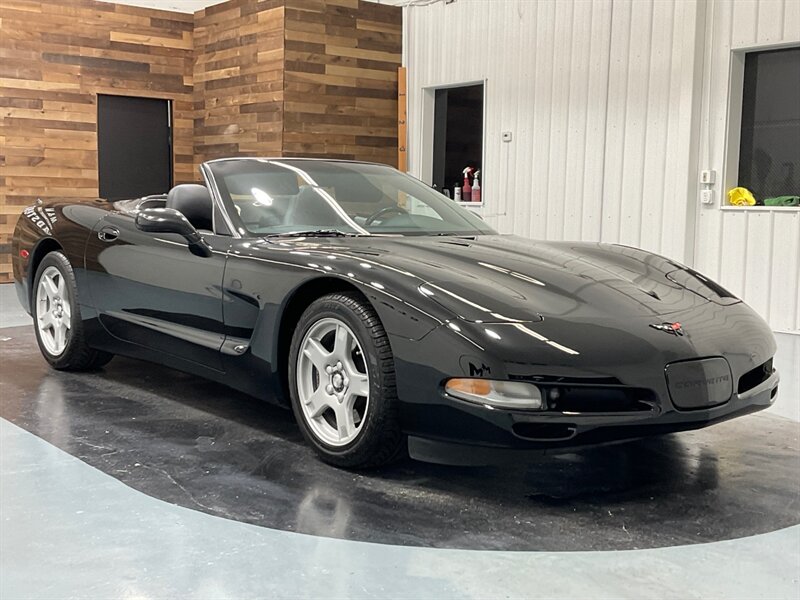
(151, 290)
(134, 146)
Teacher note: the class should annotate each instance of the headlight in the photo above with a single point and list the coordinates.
(499, 394)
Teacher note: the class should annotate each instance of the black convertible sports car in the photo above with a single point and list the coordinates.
(387, 316)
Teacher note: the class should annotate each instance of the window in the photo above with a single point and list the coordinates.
(769, 150)
(297, 196)
(457, 138)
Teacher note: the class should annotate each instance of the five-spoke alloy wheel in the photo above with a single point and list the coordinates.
(53, 311)
(342, 382)
(57, 319)
(332, 382)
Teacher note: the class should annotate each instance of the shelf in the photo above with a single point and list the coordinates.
(760, 208)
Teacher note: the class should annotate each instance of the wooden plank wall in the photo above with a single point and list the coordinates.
(238, 79)
(55, 57)
(341, 79)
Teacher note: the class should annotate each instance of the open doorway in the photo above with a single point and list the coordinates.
(134, 146)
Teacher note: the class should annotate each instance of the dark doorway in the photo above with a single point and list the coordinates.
(457, 135)
(134, 146)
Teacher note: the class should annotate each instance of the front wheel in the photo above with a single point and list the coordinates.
(57, 320)
(342, 380)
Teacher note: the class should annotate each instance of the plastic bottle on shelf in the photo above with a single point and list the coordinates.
(457, 194)
(476, 187)
(466, 189)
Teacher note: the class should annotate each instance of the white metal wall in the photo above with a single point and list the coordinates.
(605, 102)
(595, 94)
(754, 253)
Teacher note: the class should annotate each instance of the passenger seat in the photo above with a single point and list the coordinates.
(194, 202)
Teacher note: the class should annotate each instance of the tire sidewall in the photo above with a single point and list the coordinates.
(367, 437)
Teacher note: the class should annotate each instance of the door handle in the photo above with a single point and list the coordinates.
(108, 234)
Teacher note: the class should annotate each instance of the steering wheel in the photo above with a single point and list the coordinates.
(384, 211)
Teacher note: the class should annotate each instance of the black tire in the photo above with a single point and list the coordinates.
(380, 440)
(77, 355)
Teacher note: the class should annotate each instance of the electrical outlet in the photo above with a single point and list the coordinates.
(707, 196)
(708, 177)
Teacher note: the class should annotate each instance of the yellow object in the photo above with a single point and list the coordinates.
(740, 196)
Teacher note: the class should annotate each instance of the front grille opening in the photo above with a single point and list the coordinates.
(544, 431)
(755, 377)
(599, 399)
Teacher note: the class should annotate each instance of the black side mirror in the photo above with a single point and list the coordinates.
(169, 220)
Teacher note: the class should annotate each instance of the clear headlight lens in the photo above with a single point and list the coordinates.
(501, 394)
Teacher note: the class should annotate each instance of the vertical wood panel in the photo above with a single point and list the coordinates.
(238, 80)
(341, 80)
(402, 120)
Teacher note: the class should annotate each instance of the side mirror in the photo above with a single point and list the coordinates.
(169, 220)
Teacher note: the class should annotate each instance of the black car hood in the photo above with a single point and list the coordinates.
(507, 278)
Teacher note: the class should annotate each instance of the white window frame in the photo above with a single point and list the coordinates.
(427, 123)
(733, 136)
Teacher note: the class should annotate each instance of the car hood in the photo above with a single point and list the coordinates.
(503, 278)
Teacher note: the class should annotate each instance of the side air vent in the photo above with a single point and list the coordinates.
(589, 399)
(755, 377)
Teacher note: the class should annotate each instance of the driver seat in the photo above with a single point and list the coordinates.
(194, 202)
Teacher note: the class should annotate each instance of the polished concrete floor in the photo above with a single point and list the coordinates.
(114, 484)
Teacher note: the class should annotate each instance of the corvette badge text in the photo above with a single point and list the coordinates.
(683, 385)
(43, 219)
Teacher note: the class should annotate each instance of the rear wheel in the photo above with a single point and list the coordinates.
(57, 319)
(341, 375)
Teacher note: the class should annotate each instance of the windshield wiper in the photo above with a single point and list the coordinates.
(313, 233)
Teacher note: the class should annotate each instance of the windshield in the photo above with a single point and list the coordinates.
(286, 196)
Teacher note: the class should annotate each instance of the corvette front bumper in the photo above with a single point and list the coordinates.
(627, 380)
(591, 430)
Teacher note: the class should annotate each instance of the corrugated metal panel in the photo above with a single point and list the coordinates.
(755, 253)
(592, 92)
(545, 66)
(650, 121)
(605, 101)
